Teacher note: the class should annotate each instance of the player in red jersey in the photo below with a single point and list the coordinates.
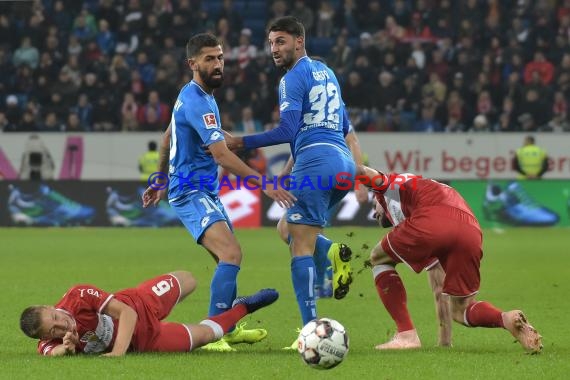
(92, 321)
(434, 230)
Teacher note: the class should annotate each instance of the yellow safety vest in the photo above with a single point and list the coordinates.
(148, 163)
(531, 158)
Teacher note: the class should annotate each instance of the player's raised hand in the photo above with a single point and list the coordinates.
(152, 196)
(283, 197)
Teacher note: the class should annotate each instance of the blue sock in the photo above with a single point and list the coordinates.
(322, 261)
(303, 276)
(223, 288)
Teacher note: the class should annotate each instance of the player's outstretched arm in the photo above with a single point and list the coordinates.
(229, 161)
(154, 194)
(127, 318)
(436, 276)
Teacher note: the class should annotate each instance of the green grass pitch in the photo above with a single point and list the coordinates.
(522, 268)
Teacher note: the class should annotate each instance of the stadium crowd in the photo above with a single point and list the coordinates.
(404, 65)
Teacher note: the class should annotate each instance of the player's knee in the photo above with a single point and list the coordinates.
(282, 230)
(186, 280)
(231, 255)
(379, 257)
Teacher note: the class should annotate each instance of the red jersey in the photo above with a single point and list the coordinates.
(432, 223)
(97, 331)
(403, 194)
(152, 301)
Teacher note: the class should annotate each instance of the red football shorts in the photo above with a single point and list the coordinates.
(445, 234)
(153, 300)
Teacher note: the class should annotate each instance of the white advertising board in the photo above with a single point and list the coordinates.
(114, 156)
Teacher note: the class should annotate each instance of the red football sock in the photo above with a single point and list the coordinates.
(393, 295)
(229, 318)
(483, 314)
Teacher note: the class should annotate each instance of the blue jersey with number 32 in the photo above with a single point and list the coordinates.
(312, 88)
(195, 124)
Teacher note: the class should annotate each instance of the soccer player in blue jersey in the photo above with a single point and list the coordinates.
(193, 178)
(323, 266)
(313, 121)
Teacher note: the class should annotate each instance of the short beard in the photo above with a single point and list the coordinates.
(286, 62)
(209, 81)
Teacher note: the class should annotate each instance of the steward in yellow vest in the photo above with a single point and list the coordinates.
(531, 161)
(148, 162)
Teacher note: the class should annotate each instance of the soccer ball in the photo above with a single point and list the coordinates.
(323, 343)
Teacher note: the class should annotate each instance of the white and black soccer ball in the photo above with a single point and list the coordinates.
(323, 343)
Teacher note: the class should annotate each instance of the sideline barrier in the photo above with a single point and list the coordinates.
(118, 203)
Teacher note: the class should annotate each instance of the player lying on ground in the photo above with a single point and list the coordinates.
(90, 320)
(435, 230)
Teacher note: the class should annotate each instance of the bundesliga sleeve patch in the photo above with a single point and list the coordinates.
(210, 120)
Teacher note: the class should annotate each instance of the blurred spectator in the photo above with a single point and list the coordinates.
(105, 38)
(92, 86)
(73, 123)
(278, 9)
(145, 68)
(84, 26)
(27, 123)
(428, 123)
(340, 57)
(325, 19)
(274, 122)
(73, 70)
(372, 18)
(26, 54)
(304, 14)
(480, 124)
(129, 110)
(105, 116)
(536, 108)
(356, 92)
(6, 125)
(84, 112)
(386, 94)
(228, 124)
(127, 41)
(418, 31)
(12, 111)
(74, 47)
(151, 30)
(108, 12)
(24, 81)
(225, 35)
(230, 103)
(154, 114)
(232, 17)
(52, 123)
(541, 66)
(245, 51)
(527, 123)
(248, 124)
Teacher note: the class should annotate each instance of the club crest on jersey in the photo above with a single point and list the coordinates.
(210, 120)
